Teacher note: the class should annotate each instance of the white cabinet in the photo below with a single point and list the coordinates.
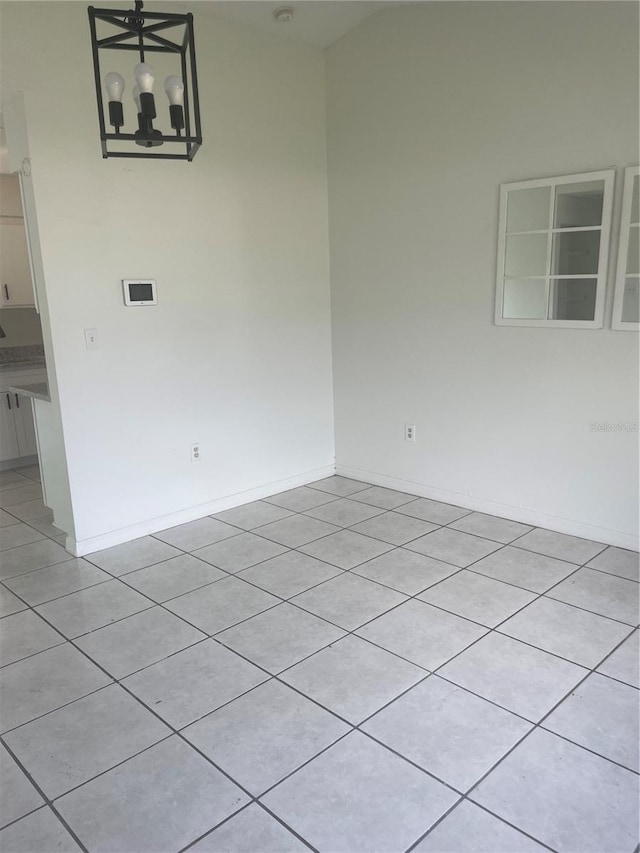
(16, 289)
(25, 426)
(10, 201)
(17, 428)
(8, 434)
(15, 273)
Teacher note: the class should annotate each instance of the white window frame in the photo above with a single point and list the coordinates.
(606, 175)
(617, 322)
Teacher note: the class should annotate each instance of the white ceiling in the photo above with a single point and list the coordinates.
(315, 22)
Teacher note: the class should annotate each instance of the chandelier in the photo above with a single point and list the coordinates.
(168, 39)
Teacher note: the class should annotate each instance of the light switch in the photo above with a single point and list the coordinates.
(91, 338)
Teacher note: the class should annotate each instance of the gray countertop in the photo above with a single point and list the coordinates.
(29, 364)
(39, 390)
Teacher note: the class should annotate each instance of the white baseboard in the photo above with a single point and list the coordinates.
(81, 547)
(478, 504)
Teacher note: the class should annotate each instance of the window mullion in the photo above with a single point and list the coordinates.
(552, 204)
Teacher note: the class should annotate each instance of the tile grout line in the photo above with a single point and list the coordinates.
(264, 808)
(532, 723)
(238, 574)
(327, 747)
(183, 553)
(535, 726)
(510, 543)
(289, 599)
(173, 732)
(303, 513)
(352, 632)
(459, 569)
(488, 630)
(47, 801)
(484, 809)
(348, 633)
(178, 732)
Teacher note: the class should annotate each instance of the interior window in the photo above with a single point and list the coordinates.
(552, 250)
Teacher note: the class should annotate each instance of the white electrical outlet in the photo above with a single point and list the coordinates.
(410, 432)
(91, 338)
(195, 451)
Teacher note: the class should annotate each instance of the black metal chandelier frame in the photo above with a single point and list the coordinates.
(135, 30)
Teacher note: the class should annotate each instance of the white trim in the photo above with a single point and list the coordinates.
(621, 270)
(567, 230)
(606, 175)
(28, 230)
(479, 504)
(80, 548)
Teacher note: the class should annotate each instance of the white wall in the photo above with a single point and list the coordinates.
(430, 108)
(237, 353)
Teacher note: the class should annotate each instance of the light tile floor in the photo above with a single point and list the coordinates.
(341, 668)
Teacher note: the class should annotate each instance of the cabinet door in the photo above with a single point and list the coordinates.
(25, 429)
(8, 435)
(10, 201)
(15, 273)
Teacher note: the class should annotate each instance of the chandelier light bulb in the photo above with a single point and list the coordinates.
(114, 84)
(174, 87)
(136, 97)
(145, 77)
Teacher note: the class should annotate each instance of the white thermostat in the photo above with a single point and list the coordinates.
(139, 291)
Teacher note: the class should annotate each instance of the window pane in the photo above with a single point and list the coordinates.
(633, 253)
(630, 305)
(579, 205)
(575, 253)
(526, 254)
(635, 204)
(573, 299)
(528, 210)
(524, 299)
